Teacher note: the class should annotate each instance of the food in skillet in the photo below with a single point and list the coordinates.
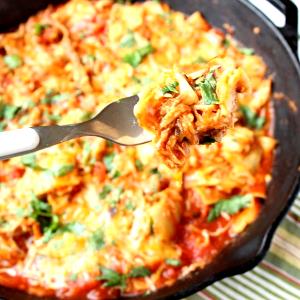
(191, 109)
(90, 219)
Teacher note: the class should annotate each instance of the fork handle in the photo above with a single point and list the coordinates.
(22, 141)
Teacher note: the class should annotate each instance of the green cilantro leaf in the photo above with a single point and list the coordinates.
(251, 118)
(226, 43)
(230, 206)
(39, 28)
(51, 229)
(139, 165)
(13, 61)
(116, 196)
(29, 160)
(155, 171)
(73, 277)
(136, 57)
(8, 111)
(136, 79)
(139, 272)
(128, 40)
(2, 126)
(87, 115)
(208, 89)
(247, 51)
(97, 240)
(105, 191)
(73, 227)
(170, 88)
(108, 161)
(62, 170)
(39, 208)
(173, 262)
(42, 213)
(116, 174)
(54, 97)
(200, 60)
(130, 206)
(112, 278)
(89, 59)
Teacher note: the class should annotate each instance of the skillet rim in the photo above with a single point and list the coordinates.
(268, 234)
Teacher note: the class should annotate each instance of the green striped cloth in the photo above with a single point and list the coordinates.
(276, 277)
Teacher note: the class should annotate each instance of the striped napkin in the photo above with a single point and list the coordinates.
(277, 277)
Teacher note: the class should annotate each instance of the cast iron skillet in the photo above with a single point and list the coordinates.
(248, 250)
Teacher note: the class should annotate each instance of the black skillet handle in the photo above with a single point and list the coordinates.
(290, 30)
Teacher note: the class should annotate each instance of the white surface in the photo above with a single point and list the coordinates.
(16, 141)
(275, 15)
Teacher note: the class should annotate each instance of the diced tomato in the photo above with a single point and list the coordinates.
(15, 173)
(99, 171)
(50, 35)
(91, 290)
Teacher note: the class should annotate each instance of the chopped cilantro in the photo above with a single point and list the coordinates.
(62, 170)
(116, 196)
(128, 40)
(112, 278)
(48, 97)
(173, 262)
(151, 226)
(29, 104)
(226, 43)
(139, 272)
(87, 115)
(2, 126)
(251, 118)
(137, 80)
(13, 61)
(97, 240)
(42, 213)
(200, 60)
(39, 28)
(139, 165)
(73, 227)
(109, 144)
(108, 161)
(59, 97)
(30, 161)
(73, 277)
(54, 97)
(230, 206)
(116, 174)
(11, 111)
(155, 171)
(39, 208)
(53, 117)
(51, 229)
(105, 191)
(136, 57)
(8, 111)
(247, 51)
(170, 88)
(208, 89)
(130, 206)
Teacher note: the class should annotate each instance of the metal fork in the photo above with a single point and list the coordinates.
(116, 123)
